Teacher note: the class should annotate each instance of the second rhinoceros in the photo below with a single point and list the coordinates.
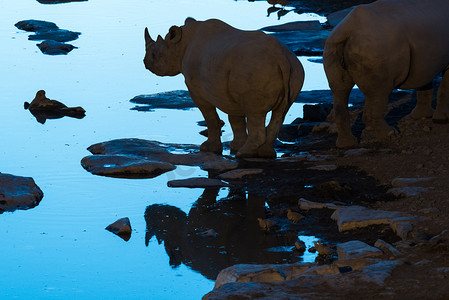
(245, 74)
(385, 45)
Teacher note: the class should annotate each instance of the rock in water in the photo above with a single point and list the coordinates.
(122, 228)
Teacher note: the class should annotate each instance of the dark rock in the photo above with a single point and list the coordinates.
(36, 25)
(317, 112)
(122, 228)
(58, 1)
(124, 166)
(57, 35)
(304, 43)
(178, 99)
(197, 183)
(18, 192)
(55, 48)
(325, 96)
(43, 108)
(294, 26)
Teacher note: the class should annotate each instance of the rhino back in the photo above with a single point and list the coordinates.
(232, 68)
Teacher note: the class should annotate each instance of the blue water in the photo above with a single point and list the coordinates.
(60, 248)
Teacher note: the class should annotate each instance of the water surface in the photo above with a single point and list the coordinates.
(60, 248)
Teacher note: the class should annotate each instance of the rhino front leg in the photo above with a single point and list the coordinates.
(423, 108)
(238, 125)
(213, 142)
(441, 114)
(256, 135)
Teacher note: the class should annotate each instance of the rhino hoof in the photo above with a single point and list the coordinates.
(216, 148)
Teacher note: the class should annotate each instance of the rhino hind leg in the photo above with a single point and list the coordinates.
(376, 128)
(340, 115)
(256, 136)
(238, 125)
(423, 108)
(441, 114)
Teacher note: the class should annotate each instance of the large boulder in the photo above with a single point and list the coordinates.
(17, 192)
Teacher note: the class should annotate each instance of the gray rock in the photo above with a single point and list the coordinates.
(198, 182)
(306, 205)
(377, 273)
(407, 191)
(295, 26)
(121, 227)
(124, 166)
(402, 226)
(356, 249)
(17, 192)
(357, 216)
(239, 173)
(386, 247)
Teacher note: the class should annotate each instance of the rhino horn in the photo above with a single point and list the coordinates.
(148, 39)
(159, 39)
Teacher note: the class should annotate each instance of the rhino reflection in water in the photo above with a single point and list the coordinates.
(238, 239)
(246, 74)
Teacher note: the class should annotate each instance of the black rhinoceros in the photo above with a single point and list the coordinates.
(385, 45)
(245, 74)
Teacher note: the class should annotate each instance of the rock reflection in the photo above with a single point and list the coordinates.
(217, 234)
(43, 108)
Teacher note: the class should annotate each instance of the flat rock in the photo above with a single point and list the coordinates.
(295, 26)
(239, 173)
(121, 227)
(198, 182)
(403, 182)
(178, 99)
(356, 249)
(306, 205)
(36, 25)
(57, 35)
(58, 1)
(352, 217)
(124, 166)
(407, 191)
(17, 192)
(55, 48)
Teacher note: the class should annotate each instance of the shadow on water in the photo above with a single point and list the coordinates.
(216, 234)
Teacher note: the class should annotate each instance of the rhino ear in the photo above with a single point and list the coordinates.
(189, 20)
(175, 34)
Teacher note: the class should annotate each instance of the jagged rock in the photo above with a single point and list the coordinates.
(55, 48)
(43, 108)
(356, 249)
(357, 216)
(199, 182)
(124, 166)
(402, 226)
(239, 173)
(122, 228)
(386, 247)
(17, 192)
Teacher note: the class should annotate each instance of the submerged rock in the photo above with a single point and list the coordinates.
(57, 35)
(179, 99)
(199, 182)
(36, 25)
(58, 1)
(17, 192)
(55, 48)
(121, 227)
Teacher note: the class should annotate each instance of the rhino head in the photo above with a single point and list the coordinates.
(163, 57)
